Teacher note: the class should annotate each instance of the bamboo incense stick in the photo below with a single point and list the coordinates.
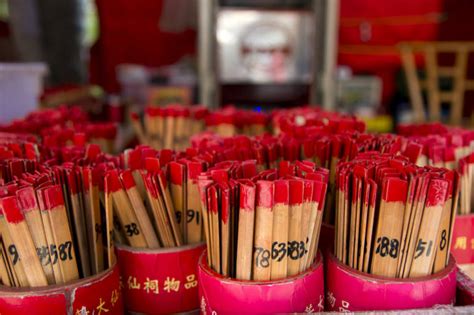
(389, 226)
(319, 196)
(362, 243)
(27, 200)
(167, 203)
(370, 223)
(280, 235)
(203, 186)
(17, 270)
(263, 249)
(177, 175)
(24, 244)
(125, 213)
(225, 227)
(93, 218)
(445, 226)
(139, 209)
(245, 231)
(109, 223)
(414, 225)
(294, 230)
(61, 234)
(212, 201)
(306, 222)
(4, 272)
(79, 225)
(48, 232)
(162, 225)
(193, 207)
(427, 237)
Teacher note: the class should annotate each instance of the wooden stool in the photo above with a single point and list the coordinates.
(434, 72)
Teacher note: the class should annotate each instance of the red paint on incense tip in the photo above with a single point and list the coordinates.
(296, 192)
(203, 184)
(98, 177)
(86, 178)
(113, 181)
(71, 179)
(53, 197)
(308, 187)
(212, 193)
(163, 180)
(282, 191)
(11, 210)
(127, 179)
(175, 170)
(394, 190)
(249, 168)
(92, 151)
(134, 159)
(264, 194)
(316, 193)
(322, 197)
(225, 204)
(152, 164)
(194, 169)
(150, 185)
(220, 175)
(373, 192)
(437, 192)
(27, 199)
(247, 195)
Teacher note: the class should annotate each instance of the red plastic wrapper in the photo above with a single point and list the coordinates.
(300, 293)
(349, 290)
(99, 294)
(160, 281)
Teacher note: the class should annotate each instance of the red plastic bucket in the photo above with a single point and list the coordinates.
(160, 281)
(300, 293)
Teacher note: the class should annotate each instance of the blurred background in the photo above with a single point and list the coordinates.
(384, 61)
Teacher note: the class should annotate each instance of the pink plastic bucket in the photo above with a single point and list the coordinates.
(160, 281)
(351, 290)
(300, 293)
(99, 293)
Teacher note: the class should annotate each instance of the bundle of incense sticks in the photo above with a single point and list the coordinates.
(156, 199)
(394, 218)
(102, 134)
(266, 150)
(36, 121)
(45, 241)
(466, 171)
(435, 150)
(55, 217)
(315, 145)
(296, 120)
(231, 121)
(442, 146)
(262, 226)
(169, 127)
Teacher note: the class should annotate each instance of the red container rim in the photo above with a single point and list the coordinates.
(156, 251)
(387, 280)
(55, 288)
(204, 267)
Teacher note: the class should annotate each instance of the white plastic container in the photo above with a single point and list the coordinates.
(21, 85)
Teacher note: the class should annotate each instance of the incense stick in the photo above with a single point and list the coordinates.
(23, 242)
